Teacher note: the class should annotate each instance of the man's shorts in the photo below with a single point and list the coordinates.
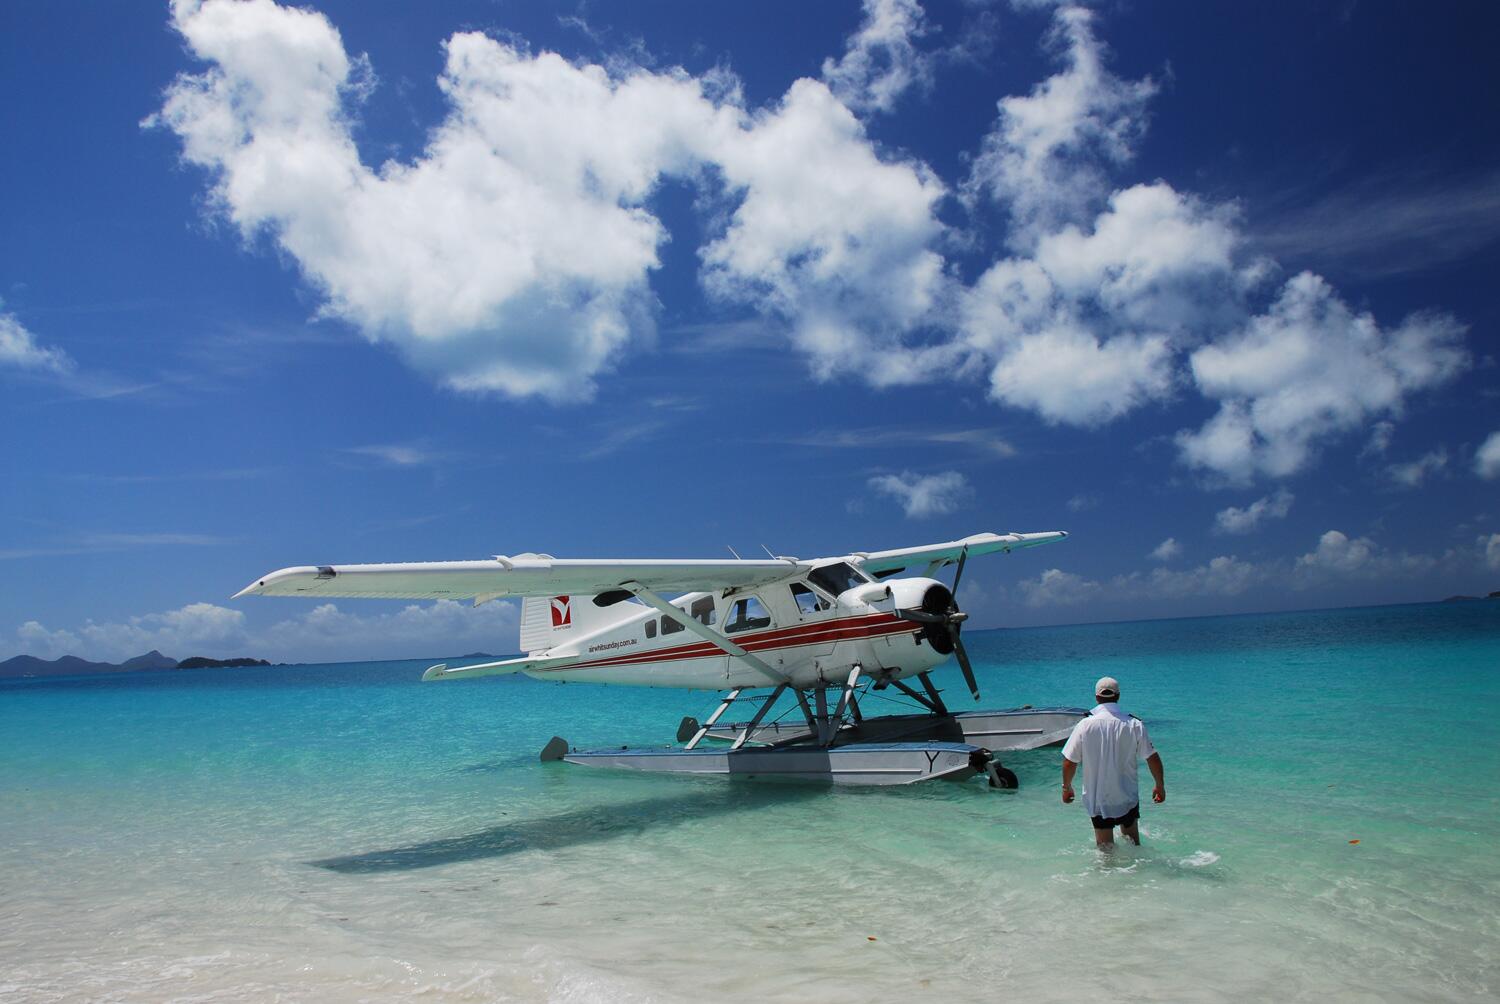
(1110, 822)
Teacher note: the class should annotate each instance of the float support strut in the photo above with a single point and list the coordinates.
(754, 722)
(718, 713)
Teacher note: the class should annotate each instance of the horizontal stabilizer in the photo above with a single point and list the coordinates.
(501, 668)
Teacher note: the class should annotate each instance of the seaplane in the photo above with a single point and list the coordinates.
(827, 632)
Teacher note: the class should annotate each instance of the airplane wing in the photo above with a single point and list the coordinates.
(946, 554)
(522, 575)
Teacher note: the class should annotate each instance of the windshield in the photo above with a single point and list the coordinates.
(837, 578)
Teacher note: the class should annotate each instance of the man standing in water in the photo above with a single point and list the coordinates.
(1108, 743)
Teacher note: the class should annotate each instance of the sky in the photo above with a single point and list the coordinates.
(1209, 286)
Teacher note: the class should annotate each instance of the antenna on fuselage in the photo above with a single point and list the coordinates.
(735, 553)
(768, 551)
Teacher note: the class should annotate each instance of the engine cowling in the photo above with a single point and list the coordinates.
(930, 603)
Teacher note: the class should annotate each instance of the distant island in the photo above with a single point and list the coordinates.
(71, 665)
(203, 662)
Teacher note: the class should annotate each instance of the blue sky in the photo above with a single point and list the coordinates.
(1205, 285)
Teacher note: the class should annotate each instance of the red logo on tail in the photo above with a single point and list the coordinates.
(562, 612)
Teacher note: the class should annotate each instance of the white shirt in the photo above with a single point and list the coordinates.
(1108, 743)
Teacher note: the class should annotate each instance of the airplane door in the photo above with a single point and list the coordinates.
(809, 607)
(703, 610)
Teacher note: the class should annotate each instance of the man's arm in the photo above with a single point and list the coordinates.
(1159, 794)
(1068, 768)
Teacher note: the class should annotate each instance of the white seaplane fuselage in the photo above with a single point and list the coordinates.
(807, 630)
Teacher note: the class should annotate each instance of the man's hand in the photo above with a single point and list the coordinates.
(1068, 769)
(1159, 793)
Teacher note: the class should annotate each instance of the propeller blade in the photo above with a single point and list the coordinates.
(963, 556)
(963, 664)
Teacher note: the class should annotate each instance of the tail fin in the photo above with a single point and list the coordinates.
(548, 621)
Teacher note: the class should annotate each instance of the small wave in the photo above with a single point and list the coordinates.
(1199, 859)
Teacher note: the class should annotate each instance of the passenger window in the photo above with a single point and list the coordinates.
(808, 602)
(703, 611)
(836, 578)
(670, 626)
(651, 628)
(747, 614)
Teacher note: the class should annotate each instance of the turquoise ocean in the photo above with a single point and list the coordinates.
(344, 832)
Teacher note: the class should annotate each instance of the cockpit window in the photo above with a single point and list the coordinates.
(808, 602)
(747, 614)
(836, 578)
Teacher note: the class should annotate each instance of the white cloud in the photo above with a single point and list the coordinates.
(195, 629)
(1091, 326)
(512, 255)
(322, 634)
(1082, 503)
(441, 628)
(1167, 550)
(1487, 458)
(1065, 374)
(97, 543)
(924, 495)
(514, 252)
(1337, 553)
(1399, 219)
(19, 348)
(1222, 576)
(1043, 158)
(835, 240)
(1234, 520)
(1336, 559)
(1306, 370)
(882, 61)
(615, 436)
(1381, 434)
(1339, 556)
(1413, 473)
(1082, 326)
(1056, 588)
(985, 441)
(395, 454)
(1225, 575)
(1090, 321)
(1154, 257)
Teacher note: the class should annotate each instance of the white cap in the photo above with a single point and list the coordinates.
(1107, 686)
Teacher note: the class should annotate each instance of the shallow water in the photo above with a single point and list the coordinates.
(329, 833)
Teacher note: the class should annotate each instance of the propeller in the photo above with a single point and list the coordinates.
(955, 621)
(950, 619)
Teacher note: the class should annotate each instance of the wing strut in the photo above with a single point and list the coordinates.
(703, 631)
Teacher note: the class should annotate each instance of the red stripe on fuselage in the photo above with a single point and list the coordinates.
(843, 629)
